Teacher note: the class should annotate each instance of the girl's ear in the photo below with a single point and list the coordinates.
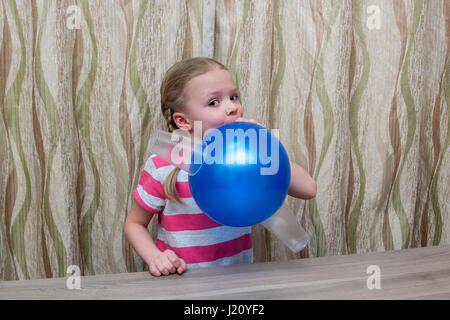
(182, 121)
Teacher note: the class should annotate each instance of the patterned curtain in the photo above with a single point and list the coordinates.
(359, 90)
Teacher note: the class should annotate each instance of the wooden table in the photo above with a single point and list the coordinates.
(419, 273)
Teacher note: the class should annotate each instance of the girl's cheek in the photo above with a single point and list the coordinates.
(216, 121)
(207, 126)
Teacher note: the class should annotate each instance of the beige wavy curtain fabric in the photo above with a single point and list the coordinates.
(360, 91)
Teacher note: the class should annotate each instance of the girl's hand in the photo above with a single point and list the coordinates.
(249, 120)
(165, 263)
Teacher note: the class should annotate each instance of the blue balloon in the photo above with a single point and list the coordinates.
(243, 177)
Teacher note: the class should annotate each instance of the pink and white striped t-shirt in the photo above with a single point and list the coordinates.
(186, 230)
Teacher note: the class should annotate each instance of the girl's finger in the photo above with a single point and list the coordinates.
(167, 264)
(173, 258)
(154, 270)
(182, 267)
(249, 120)
(161, 267)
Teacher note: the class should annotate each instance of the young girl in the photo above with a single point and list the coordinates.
(196, 89)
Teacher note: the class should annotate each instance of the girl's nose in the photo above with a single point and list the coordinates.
(231, 108)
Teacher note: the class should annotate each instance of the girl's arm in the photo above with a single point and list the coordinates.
(135, 230)
(302, 185)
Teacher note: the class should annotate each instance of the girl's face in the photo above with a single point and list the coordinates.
(211, 98)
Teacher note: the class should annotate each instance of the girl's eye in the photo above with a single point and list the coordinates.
(212, 103)
(235, 97)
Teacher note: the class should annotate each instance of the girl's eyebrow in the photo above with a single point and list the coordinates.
(234, 90)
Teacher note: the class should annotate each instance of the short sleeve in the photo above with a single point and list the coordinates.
(149, 193)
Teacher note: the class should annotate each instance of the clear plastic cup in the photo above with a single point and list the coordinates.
(178, 148)
(285, 226)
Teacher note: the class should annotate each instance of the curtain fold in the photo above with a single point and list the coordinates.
(359, 90)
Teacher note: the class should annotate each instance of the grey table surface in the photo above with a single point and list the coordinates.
(417, 273)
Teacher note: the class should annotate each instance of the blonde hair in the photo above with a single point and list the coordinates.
(172, 100)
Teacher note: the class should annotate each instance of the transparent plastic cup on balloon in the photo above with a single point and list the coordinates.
(178, 148)
(285, 226)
